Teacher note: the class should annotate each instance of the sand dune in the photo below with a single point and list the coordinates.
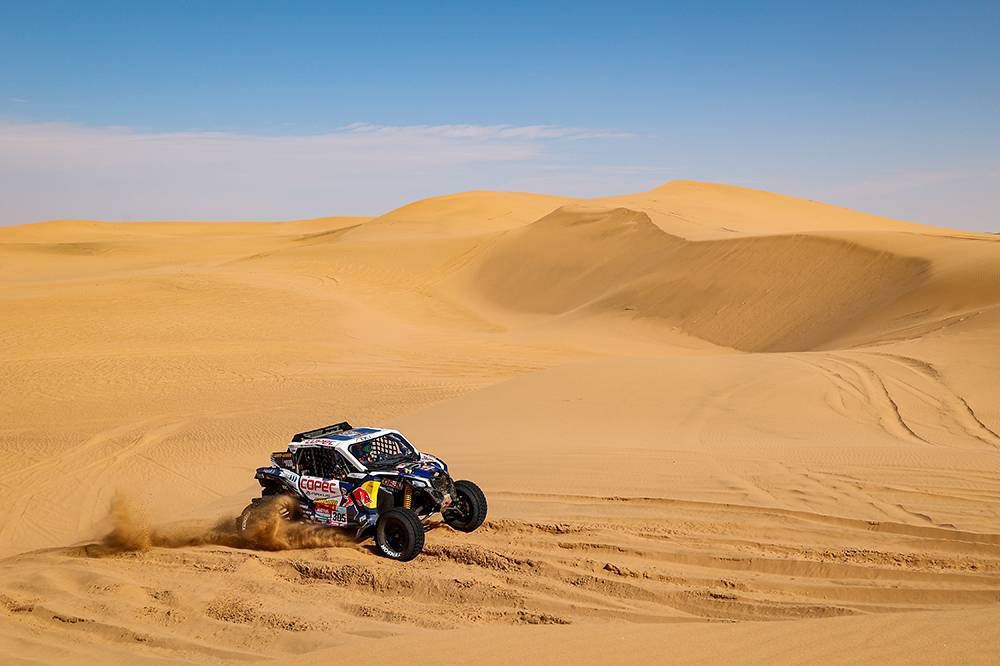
(701, 211)
(467, 213)
(787, 292)
(694, 409)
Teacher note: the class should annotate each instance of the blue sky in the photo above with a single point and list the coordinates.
(280, 110)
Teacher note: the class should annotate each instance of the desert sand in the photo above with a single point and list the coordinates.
(714, 424)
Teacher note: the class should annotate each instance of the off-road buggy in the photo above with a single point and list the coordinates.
(370, 480)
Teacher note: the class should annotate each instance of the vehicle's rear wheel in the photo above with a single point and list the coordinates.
(249, 517)
(263, 514)
(399, 534)
(468, 509)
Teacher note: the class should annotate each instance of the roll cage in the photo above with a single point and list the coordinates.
(334, 451)
(322, 461)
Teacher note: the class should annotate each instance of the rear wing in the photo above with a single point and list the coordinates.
(320, 433)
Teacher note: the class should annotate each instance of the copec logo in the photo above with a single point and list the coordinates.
(325, 486)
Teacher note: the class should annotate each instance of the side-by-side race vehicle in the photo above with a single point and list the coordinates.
(370, 480)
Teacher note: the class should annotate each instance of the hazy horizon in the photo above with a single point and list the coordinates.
(233, 112)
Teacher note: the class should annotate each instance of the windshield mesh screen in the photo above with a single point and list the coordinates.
(387, 448)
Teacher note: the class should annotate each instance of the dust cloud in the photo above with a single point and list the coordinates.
(267, 528)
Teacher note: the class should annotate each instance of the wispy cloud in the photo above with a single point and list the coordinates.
(62, 144)
(60, 169)
(488, 132)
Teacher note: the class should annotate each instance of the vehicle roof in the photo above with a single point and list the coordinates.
(340, 439)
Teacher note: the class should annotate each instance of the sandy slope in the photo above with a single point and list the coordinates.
(694, 409)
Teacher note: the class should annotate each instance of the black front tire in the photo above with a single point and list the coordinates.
(399, 534)
(468, 509)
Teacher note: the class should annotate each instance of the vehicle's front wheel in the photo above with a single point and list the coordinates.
(468, 509)
(399, 534)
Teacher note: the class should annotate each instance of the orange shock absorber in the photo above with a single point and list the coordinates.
(407, 496)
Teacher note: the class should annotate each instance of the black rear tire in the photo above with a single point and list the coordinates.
(399, 534)
(261, 513)
(468, 509)
(250, 517)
